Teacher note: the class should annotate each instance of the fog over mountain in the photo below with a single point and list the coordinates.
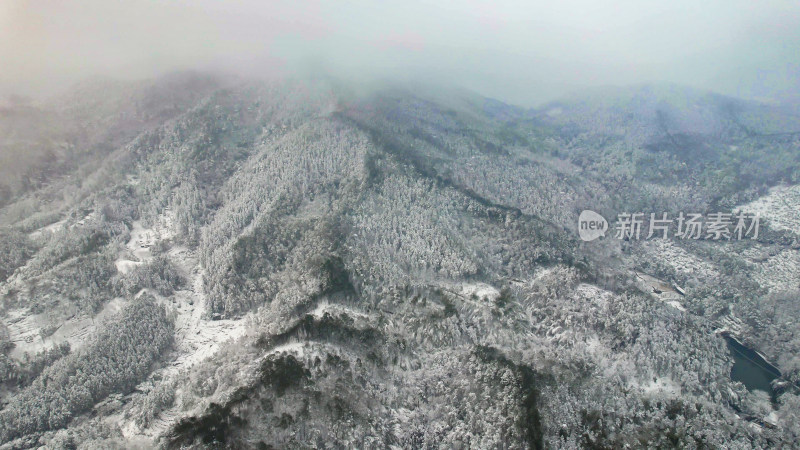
(520, 52)
(350, 225)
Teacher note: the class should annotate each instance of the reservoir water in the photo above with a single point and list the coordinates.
(750, 368)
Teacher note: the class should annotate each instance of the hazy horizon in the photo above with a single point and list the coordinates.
(518, 53)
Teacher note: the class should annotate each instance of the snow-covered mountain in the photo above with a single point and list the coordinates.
(199, 261)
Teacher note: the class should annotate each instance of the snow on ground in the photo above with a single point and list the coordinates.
(662, 385)
(142, 239)
(49, 229)
(772, 418)
(297, 348)
(110, 309)
(781, 207)
(779, 273)
(25, 329)
(197, 337)
(44, 233)
(481, 291)
(730, 323)
(335, 310)
(676, 304)
(593, 348)
(313, 209)
(681, 260)
(660, 290)
(138, 247)
(600, 297)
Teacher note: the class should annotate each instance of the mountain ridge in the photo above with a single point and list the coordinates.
(397, 269)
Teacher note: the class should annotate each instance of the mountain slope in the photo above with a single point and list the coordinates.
(392, 268)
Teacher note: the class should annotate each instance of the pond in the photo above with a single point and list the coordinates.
(750, 368)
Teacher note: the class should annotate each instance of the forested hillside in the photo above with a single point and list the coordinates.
(207, 261)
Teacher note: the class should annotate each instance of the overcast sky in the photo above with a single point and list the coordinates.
(521, 52)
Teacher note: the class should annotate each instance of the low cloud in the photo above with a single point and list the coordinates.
(521, 52)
